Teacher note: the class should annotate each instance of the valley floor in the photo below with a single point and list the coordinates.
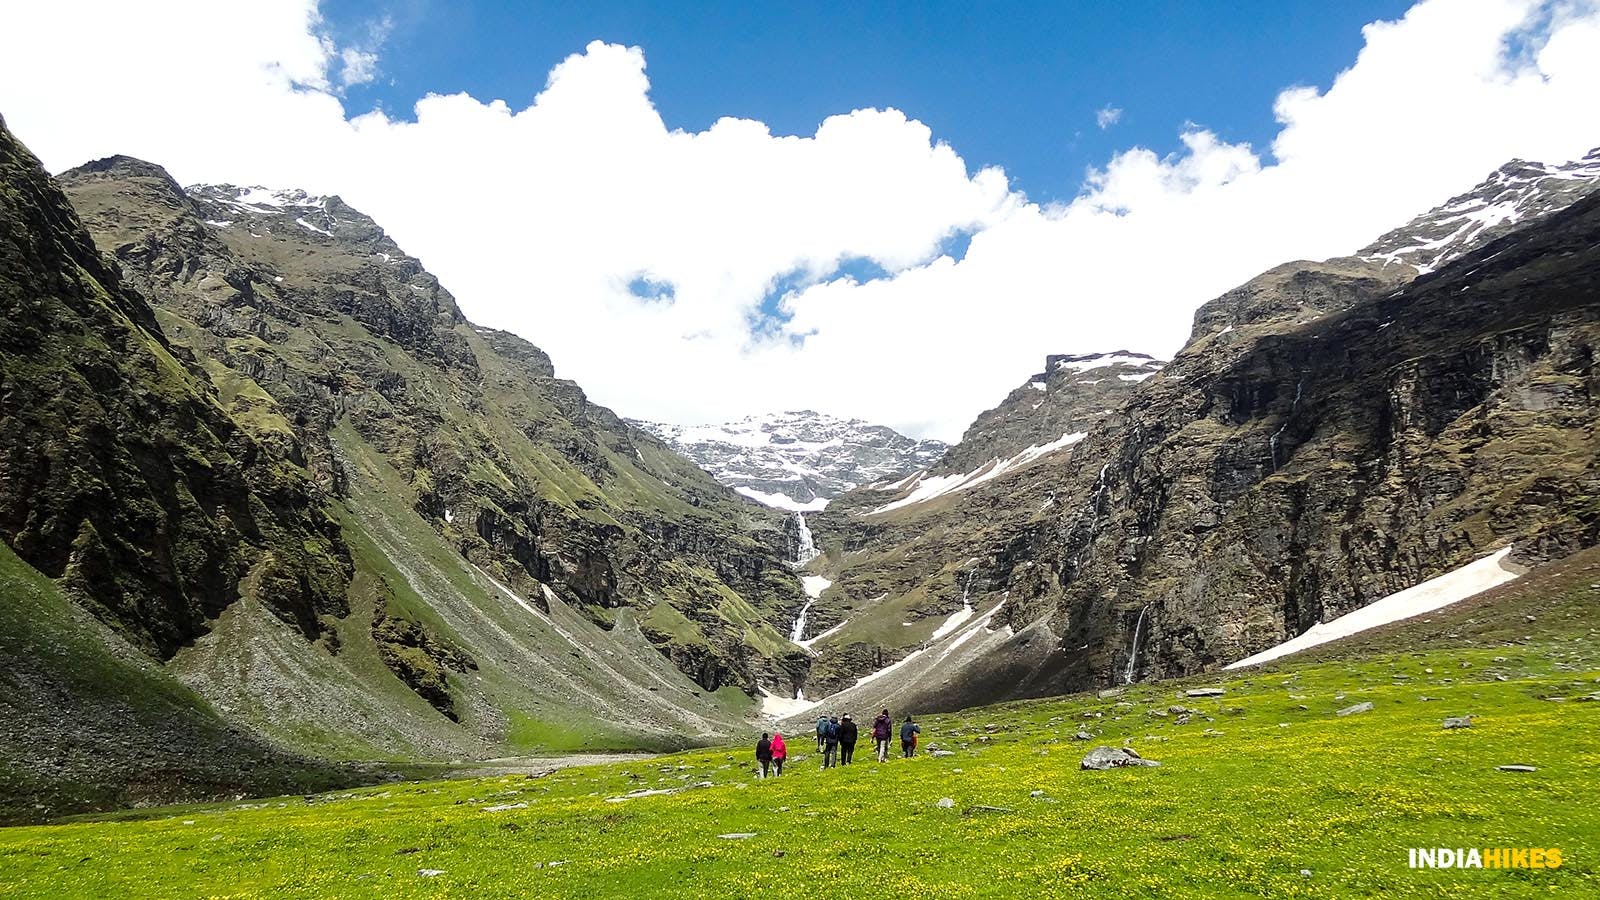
(1263, 791)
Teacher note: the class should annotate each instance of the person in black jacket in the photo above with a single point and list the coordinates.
(847, 740)
(764, 753)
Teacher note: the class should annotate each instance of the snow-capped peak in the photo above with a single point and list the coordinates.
(797, 460)
(1513, 194)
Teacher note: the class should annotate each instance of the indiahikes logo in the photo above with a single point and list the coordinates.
(1485, 858)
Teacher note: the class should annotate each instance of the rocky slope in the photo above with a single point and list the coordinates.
(127, 487)
(1332, 433)
(904, 558)
(1069, 396)
(261, 445)
(797, 460)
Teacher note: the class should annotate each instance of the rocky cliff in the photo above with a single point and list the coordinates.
(1333, 432)
(263, 447)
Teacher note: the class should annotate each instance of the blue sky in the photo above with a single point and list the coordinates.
(1010, 84)
(907, 267)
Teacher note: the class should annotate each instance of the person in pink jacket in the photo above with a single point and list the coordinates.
(780, 752)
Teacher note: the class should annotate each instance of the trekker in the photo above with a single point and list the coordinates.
(822, 731)
(908, 737)
(764, 753)
(830, 746)
(780, 751)
(882, 727)
(847, 740)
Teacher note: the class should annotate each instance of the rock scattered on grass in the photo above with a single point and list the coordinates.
(505, 806)
(1517, 768)
(945, 803)
(430, 873)
(1458, 722)
(1083, 736)
(1102, 758)
(1357, 708)
(737, 835)
(1205, 692)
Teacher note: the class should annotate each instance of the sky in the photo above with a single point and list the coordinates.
(893, 211)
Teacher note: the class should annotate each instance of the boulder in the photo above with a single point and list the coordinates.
(1458, 722)
(1101, 758)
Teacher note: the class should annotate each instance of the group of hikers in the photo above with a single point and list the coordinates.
(836, 741)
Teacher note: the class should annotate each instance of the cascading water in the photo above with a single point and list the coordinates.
(799, 630)
(807, 550)
(1133, 652)
(1272, 444)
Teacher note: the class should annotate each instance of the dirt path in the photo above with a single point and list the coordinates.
(536, 765)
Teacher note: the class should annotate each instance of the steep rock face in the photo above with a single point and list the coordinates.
(1333, 431)
(123, 476)
(1322, 465)
(1069, 396)
(912, 558)
(133, 508)
(311, 319)
(798, 460)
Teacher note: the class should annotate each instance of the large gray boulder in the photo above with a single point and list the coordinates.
(1101, 758)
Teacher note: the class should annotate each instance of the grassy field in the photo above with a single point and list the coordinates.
(1262, 792)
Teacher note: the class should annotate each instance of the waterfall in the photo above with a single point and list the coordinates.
(807, 551)
(799, 630)
(1272, 444)
(1133, 652)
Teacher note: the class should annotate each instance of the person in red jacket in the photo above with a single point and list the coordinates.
(780, 752)
(882, 730)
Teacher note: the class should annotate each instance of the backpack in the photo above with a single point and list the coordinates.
(908, 731)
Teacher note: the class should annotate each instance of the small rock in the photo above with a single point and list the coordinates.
(1358, 708)
(505, 806)
(1108, 693)
(1458, 722)
(1182, 720)
(941, 753)
(1305, 873)
(736, 835)
(1177, 710)
(1205, 692)
(1157, 714)
(1036, 794)
(1517, 768)
(1587, 698)
(778, 854)
(430, 873)
(945, 803)
(1083, 736)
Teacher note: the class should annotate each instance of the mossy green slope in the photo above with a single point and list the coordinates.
(1264, 791)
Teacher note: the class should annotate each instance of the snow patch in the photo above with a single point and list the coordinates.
(939, 485)
(784, 501)
(1452, 587)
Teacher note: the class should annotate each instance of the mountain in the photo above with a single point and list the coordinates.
(899, 558)
(1516, 193)
(1332, 433)
(134, 508)
(256, 453)
(797, 460)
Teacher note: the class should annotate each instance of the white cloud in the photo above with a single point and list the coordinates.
(360, 66)
(539, 217)
(1107, 116)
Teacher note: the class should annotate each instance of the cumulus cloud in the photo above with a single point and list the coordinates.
(1107, 116)
(692, 276)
